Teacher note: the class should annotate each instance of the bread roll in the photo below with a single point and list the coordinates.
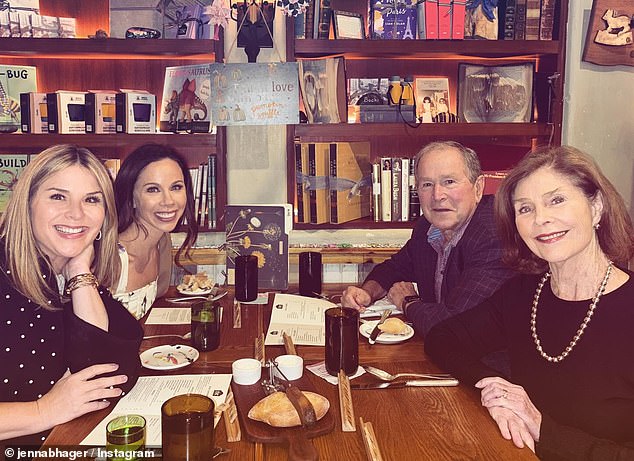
(394, 326)
(276, 410)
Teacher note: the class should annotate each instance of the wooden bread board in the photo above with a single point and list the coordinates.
(257, 431)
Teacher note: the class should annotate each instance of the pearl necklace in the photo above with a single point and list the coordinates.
(581, 329)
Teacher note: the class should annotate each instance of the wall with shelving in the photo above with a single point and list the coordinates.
(599, 116)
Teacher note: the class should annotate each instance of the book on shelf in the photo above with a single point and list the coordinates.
(11, 166)
(458, 11)
(386, 189)
(14, 80)
(414, 199)
(396, 194)
(533, 9)
(520, 19)
(299, 25)
(323, 18)
(492, 181)
(204, 181)
(431, 19)
(444, 19)
(350, 181)
(322, 84)
(213, 192)
(376, 192)
(547, 19)
(420, 20)
(393, 20)
(112, 165)
(301, 183)
(405, 161)
(317, 183)
(507, 19)
(372, 91)
(432, 97)
(186, 102)
(261, 231)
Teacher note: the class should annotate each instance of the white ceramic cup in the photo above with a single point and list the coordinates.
(291, 365)
(246, 371)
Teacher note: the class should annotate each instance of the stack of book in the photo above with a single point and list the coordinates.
(527, 19)
(205, 200)
(333, 182)
(394, 194)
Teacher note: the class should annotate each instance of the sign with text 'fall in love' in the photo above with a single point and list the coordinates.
(255, 94)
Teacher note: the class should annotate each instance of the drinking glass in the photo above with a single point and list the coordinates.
(125, 434)
(187, 425)
(310, 273)
(206, 325)
(246, 278)
(342, 340)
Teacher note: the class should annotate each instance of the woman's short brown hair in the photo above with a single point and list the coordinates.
(615, 234)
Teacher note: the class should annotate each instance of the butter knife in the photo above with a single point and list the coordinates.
(377, 331)
(409, 383)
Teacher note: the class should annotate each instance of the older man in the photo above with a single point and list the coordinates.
(454, 254)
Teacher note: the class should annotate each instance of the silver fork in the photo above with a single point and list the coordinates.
(185, 336)
(385, 376)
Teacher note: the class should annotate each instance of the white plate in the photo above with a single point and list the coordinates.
(195, 292)
(169, 357)
(385, 338)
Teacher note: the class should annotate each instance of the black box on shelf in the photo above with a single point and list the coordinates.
(34, 117)
(135, 112)
(100, 112)
(66, 112)
(386, 114)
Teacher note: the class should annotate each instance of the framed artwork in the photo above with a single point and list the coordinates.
(610, 39)
(432, 98)
(495, 94)
(348, 25)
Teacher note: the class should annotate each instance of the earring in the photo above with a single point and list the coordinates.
(596, 226)
(98, 237)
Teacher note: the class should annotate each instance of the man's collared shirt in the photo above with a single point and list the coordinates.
(437, 242)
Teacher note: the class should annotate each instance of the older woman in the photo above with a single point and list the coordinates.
(567, 325)
(66, 345)
(153, 192)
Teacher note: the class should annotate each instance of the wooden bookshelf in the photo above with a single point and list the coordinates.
(82, 64)
(499, 145)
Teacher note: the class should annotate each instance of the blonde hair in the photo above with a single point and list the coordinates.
(23, 255)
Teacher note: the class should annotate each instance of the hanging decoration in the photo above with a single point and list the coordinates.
(293, 7)
(218, 16)
(610, 36)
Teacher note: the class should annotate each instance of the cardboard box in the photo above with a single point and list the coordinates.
(101, 112)
(386, 114)
(135, 112)
(45, 26)
(34, 113)
(66, 112)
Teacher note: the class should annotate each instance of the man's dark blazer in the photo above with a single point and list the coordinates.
(473, 272)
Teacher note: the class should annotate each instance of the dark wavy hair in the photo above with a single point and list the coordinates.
(124, 190)
(615, 234)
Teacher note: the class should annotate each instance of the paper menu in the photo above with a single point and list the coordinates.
(148, 395)
(301, 317)
(169, 316)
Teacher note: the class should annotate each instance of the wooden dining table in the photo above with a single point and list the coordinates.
(411, 423)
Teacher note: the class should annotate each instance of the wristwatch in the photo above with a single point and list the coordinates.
(407, 300)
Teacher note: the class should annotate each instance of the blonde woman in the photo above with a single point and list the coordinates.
(66, 345)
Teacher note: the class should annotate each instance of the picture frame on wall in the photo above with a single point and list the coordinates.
(495, 94)
(348, 25)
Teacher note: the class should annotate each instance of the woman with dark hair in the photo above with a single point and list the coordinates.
(567, 323)
(153, 193)
(66, 345)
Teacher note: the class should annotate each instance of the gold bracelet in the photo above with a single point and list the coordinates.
(81, 280)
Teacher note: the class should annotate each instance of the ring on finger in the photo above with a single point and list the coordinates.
(505, 394)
